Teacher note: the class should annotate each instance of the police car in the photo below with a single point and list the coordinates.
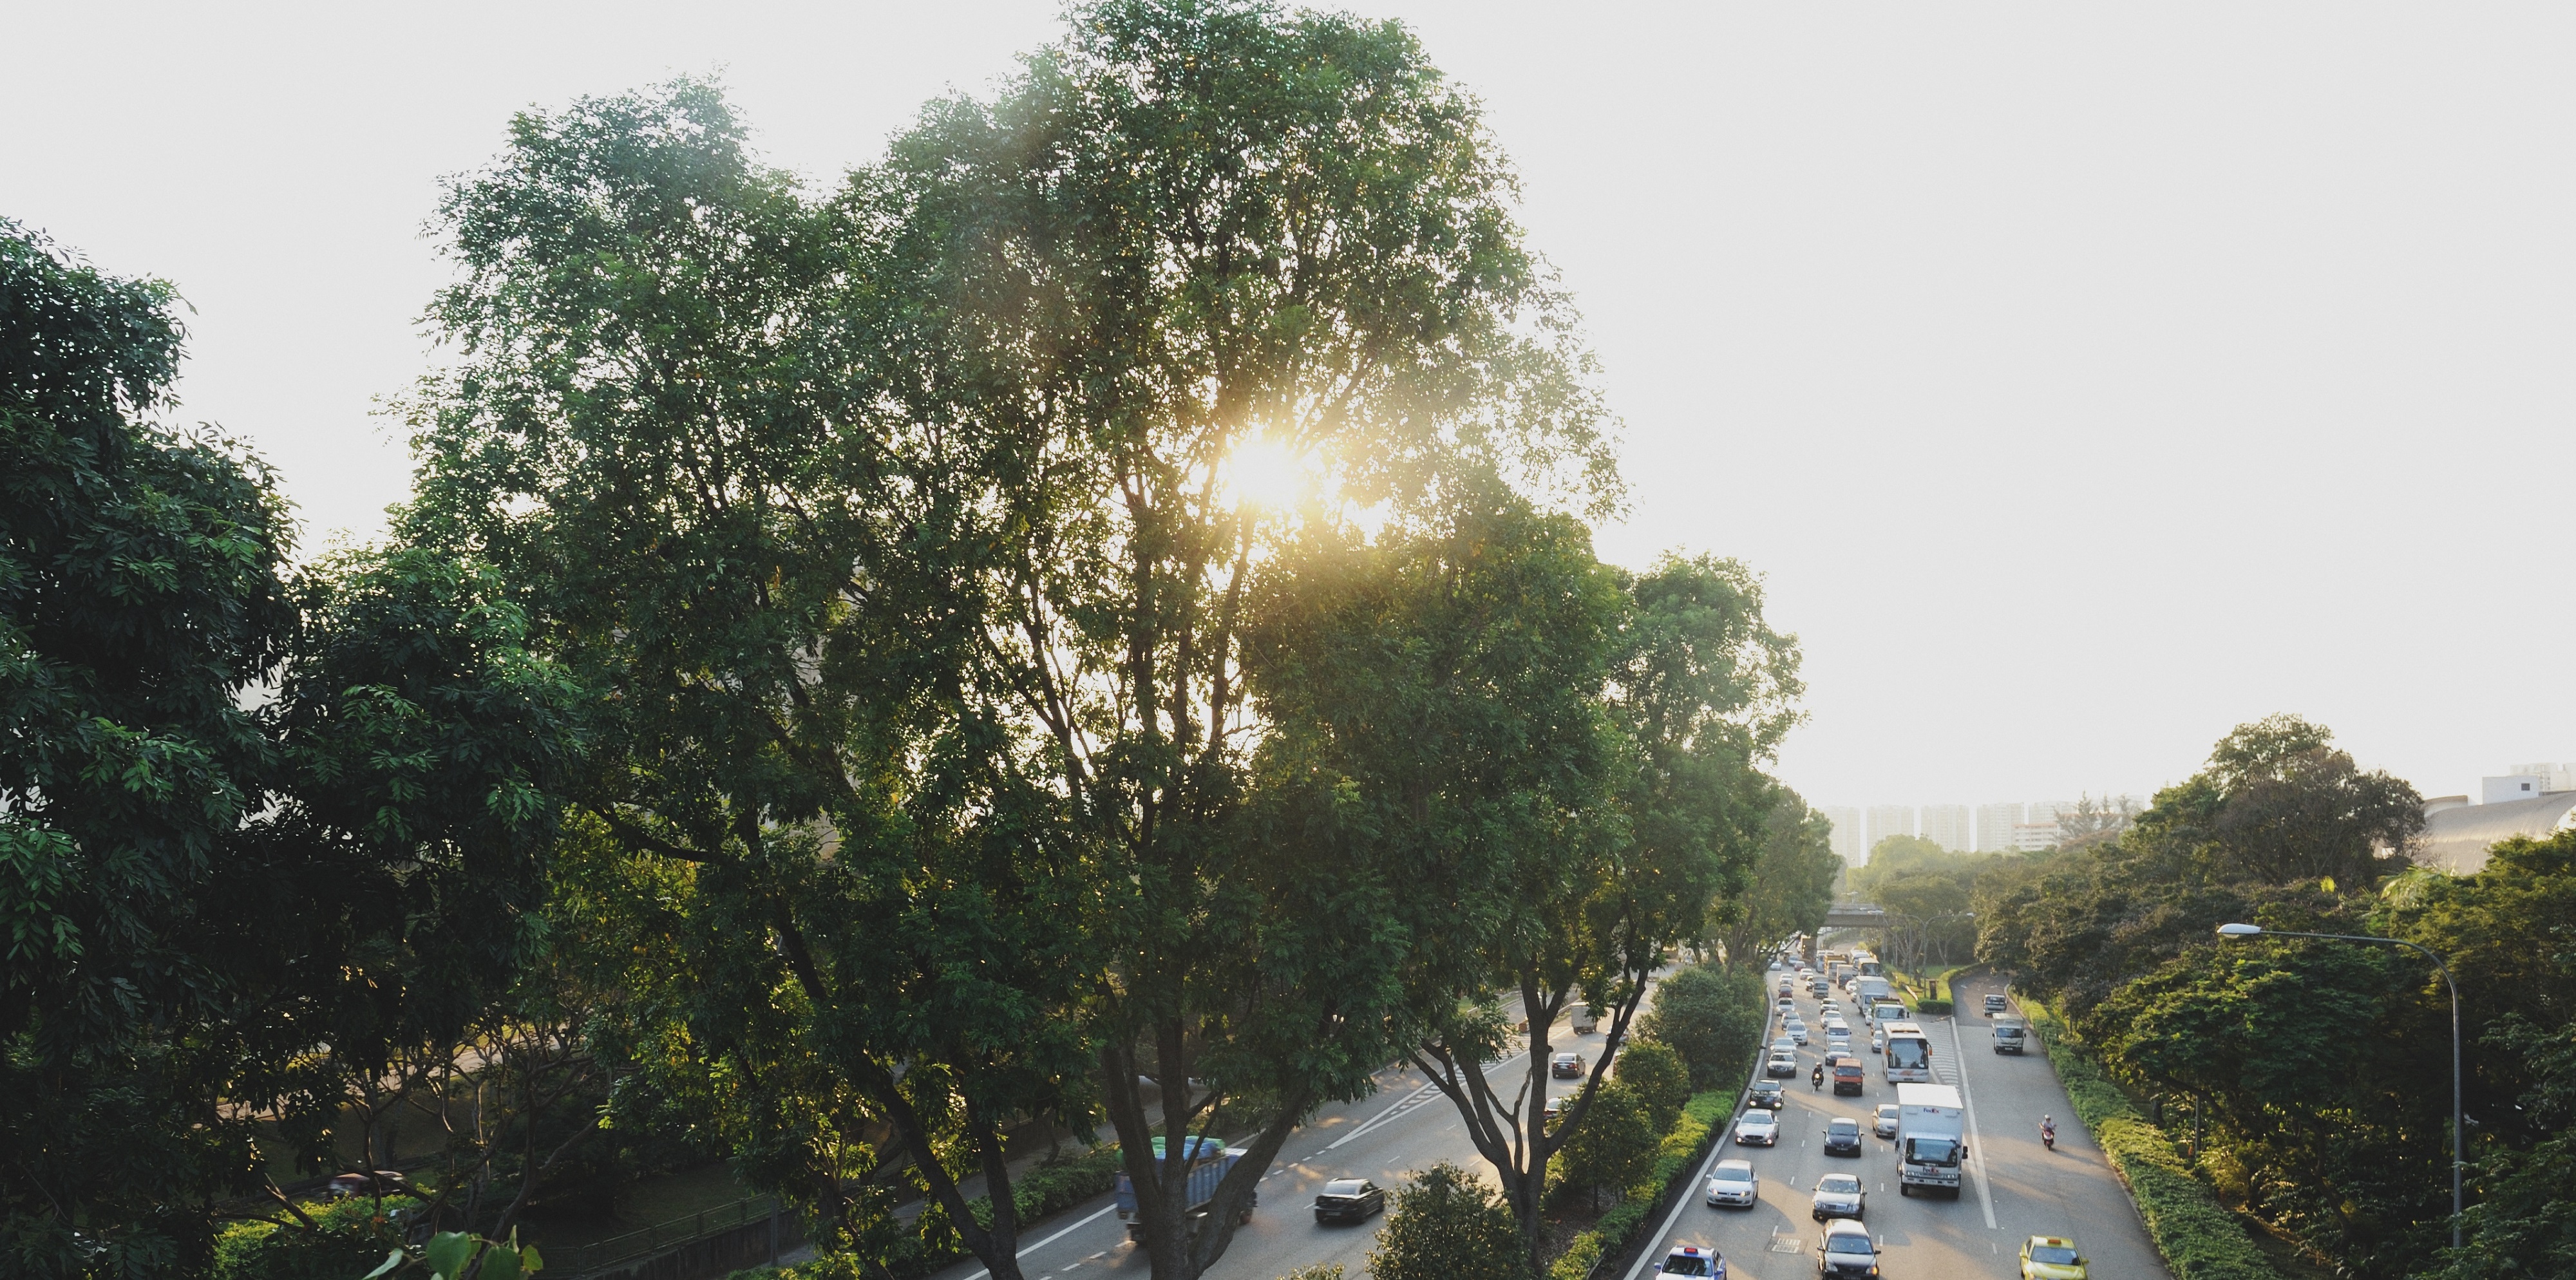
(1692, 1260)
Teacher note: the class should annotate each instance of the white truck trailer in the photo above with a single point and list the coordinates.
(1931, 1138)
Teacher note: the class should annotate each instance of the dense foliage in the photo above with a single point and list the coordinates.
(2316, 1072)
(256, 832)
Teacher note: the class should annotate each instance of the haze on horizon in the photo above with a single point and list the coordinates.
(2085, 382)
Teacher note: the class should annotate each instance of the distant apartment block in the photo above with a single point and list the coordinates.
(1995, 823)
(2031, 837)
(1850, 837)
(1889, 820)
(1947, 826)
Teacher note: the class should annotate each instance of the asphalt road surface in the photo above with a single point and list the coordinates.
(2015, 1187)
(1406, 1125)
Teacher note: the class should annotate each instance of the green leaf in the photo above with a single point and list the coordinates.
(392, 1260)
(448, 1252)
(500, 1263)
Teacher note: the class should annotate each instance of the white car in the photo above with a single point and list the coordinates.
(1878, 1041)
(1784, 1045)
(1782, 1064)
(1838, 1195)
(1734, 1182)
(1890, 1118)
(1797, 1029)
(1757, 1129)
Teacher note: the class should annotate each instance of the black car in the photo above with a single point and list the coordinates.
(1767, 1095)
(1842, 1137)
(1349, 1200)
(1566, 1066)
(382, 1182)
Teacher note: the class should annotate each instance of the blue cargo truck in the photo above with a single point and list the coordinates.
(1210, 1159)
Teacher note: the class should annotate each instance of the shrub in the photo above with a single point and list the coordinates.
(1712, 1017)
(1660, 1079)
(2199, 1238)
(1614, 1146)
(347, 1239)
(1930, 1007)
(1446, 1224)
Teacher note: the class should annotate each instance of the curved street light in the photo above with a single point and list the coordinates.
(2257, 931)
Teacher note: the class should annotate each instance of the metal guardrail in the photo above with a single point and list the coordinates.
(660, 1237)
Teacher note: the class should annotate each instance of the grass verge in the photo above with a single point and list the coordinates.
(2199, 1238)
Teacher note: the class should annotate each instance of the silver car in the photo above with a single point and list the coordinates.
(1734, 1182)
(1757, 1129)
(1838, 1195)
(1797, 1030)
(1890, 1117)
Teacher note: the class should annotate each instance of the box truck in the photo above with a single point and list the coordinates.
(1931, 1138)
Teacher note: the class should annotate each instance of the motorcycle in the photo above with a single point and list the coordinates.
(2048, 1136)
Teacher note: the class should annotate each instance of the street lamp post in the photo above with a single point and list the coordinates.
(2457, 1130)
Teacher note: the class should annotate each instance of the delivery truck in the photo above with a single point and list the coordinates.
(2012, 1031)
(1209, 1158)
(1931, 1138)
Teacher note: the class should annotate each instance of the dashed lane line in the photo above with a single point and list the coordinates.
(1976, 1145)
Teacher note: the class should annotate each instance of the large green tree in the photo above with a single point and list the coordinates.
(1196, 247)
(666, 428)
(254, 831)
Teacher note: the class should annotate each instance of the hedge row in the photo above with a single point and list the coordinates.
(1702, 1118)
(2199, 1238)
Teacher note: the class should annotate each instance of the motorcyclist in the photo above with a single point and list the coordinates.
(1817, 1077)
(2048, 1132)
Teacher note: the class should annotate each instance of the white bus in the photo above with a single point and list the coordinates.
(1909, 1054)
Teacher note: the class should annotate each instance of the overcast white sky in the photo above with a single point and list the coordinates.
(2086, 379)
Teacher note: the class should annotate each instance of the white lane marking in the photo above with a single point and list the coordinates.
(1405, 1103)
(1976, 1145)
(1029, 1249)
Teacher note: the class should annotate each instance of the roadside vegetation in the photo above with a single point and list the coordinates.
(2308, 1083)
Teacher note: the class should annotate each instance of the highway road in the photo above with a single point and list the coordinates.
(2015, 1188)
(1406, 1125)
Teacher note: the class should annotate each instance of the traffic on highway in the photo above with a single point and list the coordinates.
(1808, 1171)
(1926, 1161)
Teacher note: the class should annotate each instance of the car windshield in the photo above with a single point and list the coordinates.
(1564, 1059)
(1848, 1242)
(1343, 1187)
(1687, 1264)
(1842, 1184)
(1845, 1125)
(2053, 1254)
(1743, 1173)
(1887, 1111)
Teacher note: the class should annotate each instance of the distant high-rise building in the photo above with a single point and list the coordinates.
(1889, 820)
(2031, 837)
(1851, 831)
(2047, 810)
(1947, 826)
(1995, 823)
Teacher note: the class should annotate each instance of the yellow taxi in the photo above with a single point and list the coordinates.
(2051, 1258)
